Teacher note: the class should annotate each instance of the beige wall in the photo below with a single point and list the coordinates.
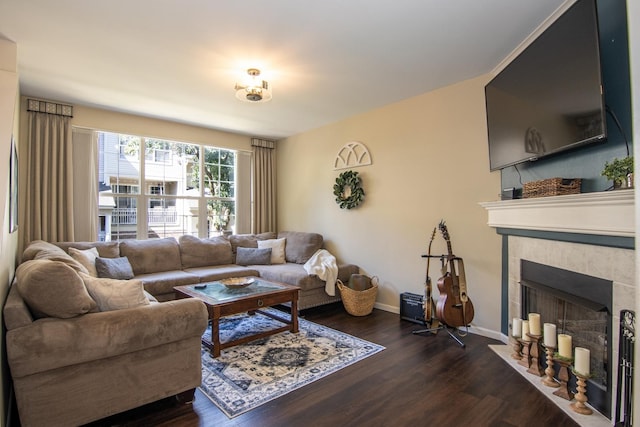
(8, 126)
(430, 162)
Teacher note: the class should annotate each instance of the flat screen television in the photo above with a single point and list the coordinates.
(549, 99)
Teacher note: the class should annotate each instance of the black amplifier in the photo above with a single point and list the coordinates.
(411, 307)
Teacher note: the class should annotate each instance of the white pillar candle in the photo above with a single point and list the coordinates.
(582, 362)
(550, 335)
(564, 345)
(534, 324)
(525, 330)
(516, 327)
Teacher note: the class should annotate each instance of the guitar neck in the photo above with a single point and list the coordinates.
(455, 284)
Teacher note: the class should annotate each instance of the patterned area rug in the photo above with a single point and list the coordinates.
(246, 376)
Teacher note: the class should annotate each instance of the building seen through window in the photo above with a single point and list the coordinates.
(172, 189)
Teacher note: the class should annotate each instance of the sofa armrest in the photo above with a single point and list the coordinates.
(53, 343)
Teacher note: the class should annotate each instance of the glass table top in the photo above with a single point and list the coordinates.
(220, 292)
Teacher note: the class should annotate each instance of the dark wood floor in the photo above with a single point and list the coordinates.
(417, 381)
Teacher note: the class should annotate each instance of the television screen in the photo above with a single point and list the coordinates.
(549, 98)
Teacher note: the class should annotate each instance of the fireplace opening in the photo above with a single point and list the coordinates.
(580, 306)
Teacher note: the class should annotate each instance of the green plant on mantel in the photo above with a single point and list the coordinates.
(618, 170)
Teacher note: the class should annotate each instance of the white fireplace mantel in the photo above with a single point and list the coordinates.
(609, 213)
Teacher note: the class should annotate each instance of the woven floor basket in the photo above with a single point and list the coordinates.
(551, 187)
(358, 303)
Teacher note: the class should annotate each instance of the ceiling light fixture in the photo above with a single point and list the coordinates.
(255, 89)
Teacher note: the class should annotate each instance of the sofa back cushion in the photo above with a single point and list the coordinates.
(42, 250)
(53, 289)
(195, 252)
(105, 249)
(38, 246)
(152, 255)
(300, 245)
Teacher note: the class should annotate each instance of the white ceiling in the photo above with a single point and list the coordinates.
(325, 60)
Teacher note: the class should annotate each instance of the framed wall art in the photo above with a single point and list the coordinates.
(13, 186)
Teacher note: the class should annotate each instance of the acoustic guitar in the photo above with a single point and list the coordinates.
(428, 299)
(454, 308)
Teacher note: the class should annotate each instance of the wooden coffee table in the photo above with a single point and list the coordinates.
(224, 301)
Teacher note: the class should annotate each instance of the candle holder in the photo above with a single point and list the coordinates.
(563, 377)
(525, 360)
(534, 352)
(579, 405)
(548, 380)
(517, 349)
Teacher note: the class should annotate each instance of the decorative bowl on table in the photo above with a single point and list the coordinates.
(237, 282)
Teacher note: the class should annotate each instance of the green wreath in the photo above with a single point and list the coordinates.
(350, 180)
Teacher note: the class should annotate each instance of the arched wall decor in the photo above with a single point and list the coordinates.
(352, 155)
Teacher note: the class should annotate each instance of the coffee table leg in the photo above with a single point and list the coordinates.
(215, 336)
(294, 313)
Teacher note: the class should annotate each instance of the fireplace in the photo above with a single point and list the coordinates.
(581, 306)
(591, 234)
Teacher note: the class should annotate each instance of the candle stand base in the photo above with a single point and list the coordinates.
(534, 352)
(525, 360)
(581, 398)
(517, 350)
(563, 377)
(548, 380)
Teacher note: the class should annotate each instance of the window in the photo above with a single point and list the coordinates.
(184, 192)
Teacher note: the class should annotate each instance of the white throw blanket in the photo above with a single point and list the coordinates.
(324, 265)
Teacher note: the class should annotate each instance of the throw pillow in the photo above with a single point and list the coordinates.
(114, 268)
(53, 289)
(111, 294)
(277, 249)
(87, 258)
(253, 256)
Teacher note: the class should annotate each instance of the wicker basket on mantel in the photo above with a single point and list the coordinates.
(551, 187)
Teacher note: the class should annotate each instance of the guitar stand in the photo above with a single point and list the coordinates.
(448, 329)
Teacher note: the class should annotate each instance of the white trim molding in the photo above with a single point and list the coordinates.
(608, 213)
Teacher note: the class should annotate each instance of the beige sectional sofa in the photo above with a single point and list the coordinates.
(162, 264)
(82, 347)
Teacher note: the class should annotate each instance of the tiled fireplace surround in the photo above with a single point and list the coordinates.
(585, 233)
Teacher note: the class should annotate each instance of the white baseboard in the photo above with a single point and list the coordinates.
(496, 335)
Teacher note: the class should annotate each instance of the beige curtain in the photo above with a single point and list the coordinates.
(85, 184)
(49, 184)
(264, 185)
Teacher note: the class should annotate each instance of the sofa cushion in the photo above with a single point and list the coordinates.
(87, 258)
(53, 289)
(277, 249)
(36, 246)
(219, 272)
(40, 249)
(105, 249)
(114, 268)
(300, 245)
(111, 294)
(152, 255)
(162, 283)
(195, 252)
(249, 256)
